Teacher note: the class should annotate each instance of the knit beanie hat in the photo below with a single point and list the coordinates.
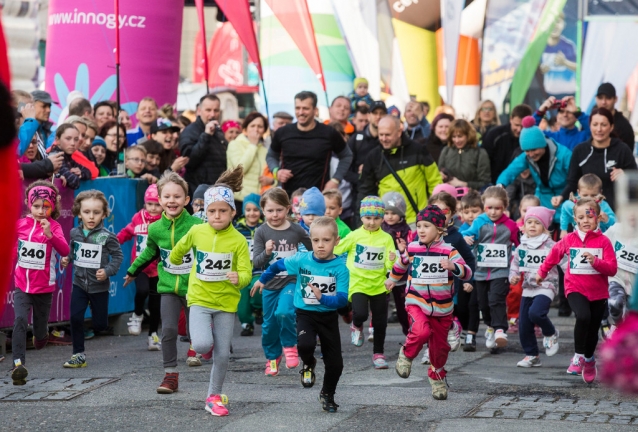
(151, 194)
(395, 203)
(312, 203)
(358, 81)
(372, 206)
(445, 187)
(432, 214)
(199, 192)
(542, 214)
(252, 198)
(99, 141)
(531, 136)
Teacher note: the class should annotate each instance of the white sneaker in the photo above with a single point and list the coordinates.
(426, 355)
(370, 334)
(489, 338)
(529, 361)
(154, 343)
(551, 344)
(193, 361)
(500, 338)
(135, 324)
(453, 337)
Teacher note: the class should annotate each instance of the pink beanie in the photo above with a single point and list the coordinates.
(542, 214)
(151, 194)
(445, 187)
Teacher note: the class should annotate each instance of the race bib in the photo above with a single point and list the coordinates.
(140, 243)
(627, 257)
(87, 255)
(213, 267)
(492, 255)
(279, 255)
(578, 264)
(531, 260)
(251, 248)
(327, 285)
(428, 270)
(180, 269)
(31, 255)
(369, 258)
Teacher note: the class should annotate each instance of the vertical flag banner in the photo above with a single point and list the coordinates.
(451, 20)
(199, 4)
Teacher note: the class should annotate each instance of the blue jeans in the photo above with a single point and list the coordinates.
(80, 301)
(534, 311)
(279, 328)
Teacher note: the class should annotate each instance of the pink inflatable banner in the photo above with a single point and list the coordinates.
(80, 51)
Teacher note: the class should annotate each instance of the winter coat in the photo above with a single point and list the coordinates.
(521, 258)
(471, 165)
(253, 159)
(138, 229)
(502, 147)
(570, 138)
(454, 238)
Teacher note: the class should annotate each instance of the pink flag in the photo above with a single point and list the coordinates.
(202, 33)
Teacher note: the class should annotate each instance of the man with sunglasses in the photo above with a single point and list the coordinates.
(568, 134)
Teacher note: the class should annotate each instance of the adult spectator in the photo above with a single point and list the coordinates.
(485, 118)
(146, 116)
(399, 165)
(231, 129)
(300, 153)
(339, 112)
(568, 134)
(603, 155)
(103, 112)
(360, 118)
(204, 144)
(115, 139)
(125, 120)
(361, 144)
(547, 161)
(426, 107)
(501, 143)
(279, 119)
(468, 164)
(81, 107)
(163, 132)
(418, 127)
(606, 98)
(36, 122)
(34, 166)
(248, 150)
(437, 140)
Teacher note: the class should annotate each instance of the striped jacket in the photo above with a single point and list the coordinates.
(436, 298)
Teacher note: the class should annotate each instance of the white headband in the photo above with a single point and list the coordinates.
(217, 194)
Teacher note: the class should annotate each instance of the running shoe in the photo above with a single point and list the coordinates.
(489, 338)
(135, 324)
(58, 337)
(551, 344)
(356, 335)
(379, 361)
(500, 339)
(308, 375)
(439, 389)
(216, 405)
(89, 334)
(590, 371)
(454, 335)
(19, 373)
(370, 334)
(247, 330)
(328, 402)
(76, 361)
(39, 344)
(292, 357)
(470, 343)
(170, 384)
(192, 359)
(605, 329)
(513, 326)
(426, 355)
(259, 317)
(154, 343)
(272, 367)
(403, 365)
(529, 361)
(576, 366)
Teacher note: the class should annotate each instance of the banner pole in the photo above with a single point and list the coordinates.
(579, 48)
(120, 155)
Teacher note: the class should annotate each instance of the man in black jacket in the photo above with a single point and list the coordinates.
(606, 98)
(204, 144)
(501, 143)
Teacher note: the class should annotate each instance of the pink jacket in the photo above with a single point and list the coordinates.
(28, 277)
(138, 228)
(594, 287)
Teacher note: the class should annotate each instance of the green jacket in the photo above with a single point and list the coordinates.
(471, 165)
(344, 229)
(163, 235)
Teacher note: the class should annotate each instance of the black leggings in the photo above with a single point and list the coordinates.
(467, 309)
(379, 309)
(398, 292)
(146, 286)
(589, 314)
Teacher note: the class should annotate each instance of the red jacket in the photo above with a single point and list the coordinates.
(592, 286)
(138, 228)
(86, 163)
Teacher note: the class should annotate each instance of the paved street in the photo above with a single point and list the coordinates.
(487, 393)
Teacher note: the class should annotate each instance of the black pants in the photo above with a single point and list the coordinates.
(467, 309)
(589, 314)
(39, 305)
(326, 326)
(379, 308)
(80, 300)
(146, 286)
(398, 292)
(491, 299)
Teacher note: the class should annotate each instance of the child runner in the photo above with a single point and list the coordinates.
(371, 254)
(334, 208)
(621, 285)
(249, 309)
(526, 260)
(589, 186)
(146, 282)
(471, 208)
(277, 239)
(322, 287)
(172, 284)
(295, 200)
(431, 264)
(222, 268)
(591, 261)
(493, 233)
(38, 235)
(97, 256)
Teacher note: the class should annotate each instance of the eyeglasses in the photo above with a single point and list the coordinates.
(136, 160)
(487, 109)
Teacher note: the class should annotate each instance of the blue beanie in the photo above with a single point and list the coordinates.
(252, 198)
(312, 203)
(99, 141)
(532, 137)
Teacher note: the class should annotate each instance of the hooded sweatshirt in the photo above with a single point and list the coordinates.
(138, 229)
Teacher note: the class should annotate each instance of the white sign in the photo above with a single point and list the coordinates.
(578, 264)
(369, 258)
(327, 285)
(179, 269)
(213, 267)
(428, 270)
(531, 260)
(87, 255)
(492, 255)
(627, 257)
(31, 255)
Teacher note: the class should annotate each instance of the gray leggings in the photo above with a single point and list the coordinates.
(22, 304)
(208, 327)
(170, 309)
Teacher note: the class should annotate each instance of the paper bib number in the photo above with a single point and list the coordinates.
(279, 255)
(369, 258)
(578, 264)
(180, 269)
(140, 243)
(531, 260)
(627, 257)
(31, 255)
(213, 267)
(492, 255)
(327, 285)
(87, 255)
(428, 270)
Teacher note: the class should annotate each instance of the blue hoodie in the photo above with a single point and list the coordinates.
(570, 138)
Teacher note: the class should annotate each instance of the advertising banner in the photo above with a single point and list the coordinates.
(612, 7)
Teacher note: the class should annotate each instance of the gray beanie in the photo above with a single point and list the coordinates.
(199, 192)
(395, 203)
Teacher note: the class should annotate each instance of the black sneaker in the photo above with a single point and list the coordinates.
(248, 330)
(19, 373)
(470, 343)
(259, 317)
(109, 331)
(328, 402)
(308, 375)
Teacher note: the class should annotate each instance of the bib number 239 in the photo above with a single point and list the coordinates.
(213, 267)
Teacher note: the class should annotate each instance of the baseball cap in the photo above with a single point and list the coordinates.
(42, 96)
(378, 105)
(162, 125)
(606, 89)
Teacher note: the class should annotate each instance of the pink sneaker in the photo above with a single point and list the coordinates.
(590, 371)
(209, 354)
(292, 357)
(215, 405)
(272, 367)
(576, 366)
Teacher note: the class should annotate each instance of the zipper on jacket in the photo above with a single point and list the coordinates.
(177, 277)
(489, 269)
(35, 223)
